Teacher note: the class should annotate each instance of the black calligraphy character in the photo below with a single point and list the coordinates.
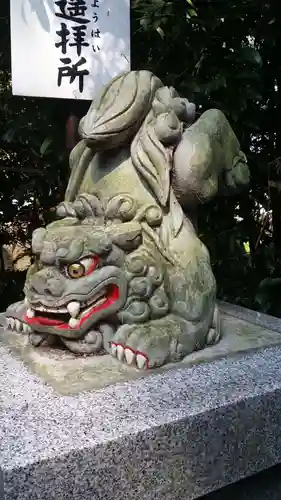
(95, 33)
(63, 34)
(72, 71)
(96, 3)
(72, 10)
(96, 49)
(79, 35)
(95, 17)
(77, 8)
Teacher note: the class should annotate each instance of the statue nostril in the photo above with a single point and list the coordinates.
(54, 288)
(43, 284)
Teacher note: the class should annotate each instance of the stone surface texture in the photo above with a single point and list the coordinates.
(70, 374)
(122, 269)
(253, 317)
(175, 435)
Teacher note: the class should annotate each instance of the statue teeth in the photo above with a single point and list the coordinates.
(30, 313)
(73, 323)
(17, 325)
(10, 323)
(73, 309)
(26, 328)
(100, 301)
(51, 310)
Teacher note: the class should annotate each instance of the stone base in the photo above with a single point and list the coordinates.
(70, 374)
(179, 434)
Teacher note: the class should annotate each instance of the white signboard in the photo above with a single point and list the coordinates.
(68, 48)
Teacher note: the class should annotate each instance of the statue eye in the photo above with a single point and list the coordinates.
(76, 270)
(82, 268)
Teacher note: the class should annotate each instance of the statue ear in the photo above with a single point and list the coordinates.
(126, 235)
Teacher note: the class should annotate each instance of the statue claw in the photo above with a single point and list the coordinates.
(130, 356)
(142, 362)
(120, 352)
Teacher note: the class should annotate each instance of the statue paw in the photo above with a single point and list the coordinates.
(91, 344)
(150, 345)
(41, 339)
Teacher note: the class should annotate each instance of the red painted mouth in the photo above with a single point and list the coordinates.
(112, 295)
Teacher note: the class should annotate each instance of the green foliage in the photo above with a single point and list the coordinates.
(268, 295)
(218, 54)
(227, 56)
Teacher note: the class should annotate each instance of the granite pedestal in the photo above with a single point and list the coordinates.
(174, 435)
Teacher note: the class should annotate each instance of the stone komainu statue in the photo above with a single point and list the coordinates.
(122, 269)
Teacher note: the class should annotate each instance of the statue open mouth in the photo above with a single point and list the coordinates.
(74, 313)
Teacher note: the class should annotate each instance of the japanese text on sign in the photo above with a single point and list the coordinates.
(68, 48)
(76, 34)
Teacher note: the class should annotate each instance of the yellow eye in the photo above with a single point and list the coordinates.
(76, 270)
(82, 267)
